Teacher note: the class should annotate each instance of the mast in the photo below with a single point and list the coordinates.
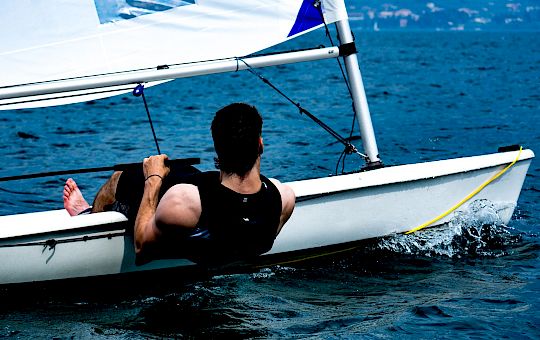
(348, 50)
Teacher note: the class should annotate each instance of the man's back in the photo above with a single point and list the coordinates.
(222, 222)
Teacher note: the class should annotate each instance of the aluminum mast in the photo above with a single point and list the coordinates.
(359, 96)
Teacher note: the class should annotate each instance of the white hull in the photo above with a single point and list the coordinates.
(329, 211)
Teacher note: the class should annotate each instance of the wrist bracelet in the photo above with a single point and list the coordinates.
(152, 176)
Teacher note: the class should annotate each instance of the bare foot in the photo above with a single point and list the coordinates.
(74, 201)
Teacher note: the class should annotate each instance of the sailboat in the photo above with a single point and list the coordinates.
(91, 49)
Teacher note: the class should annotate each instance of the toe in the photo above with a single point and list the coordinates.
(72, 186)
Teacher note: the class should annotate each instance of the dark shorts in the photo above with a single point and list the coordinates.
(130, 188)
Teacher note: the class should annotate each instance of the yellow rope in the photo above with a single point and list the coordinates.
(306, 258)
(471, 195)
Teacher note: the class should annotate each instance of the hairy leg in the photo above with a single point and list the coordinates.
(106, 195)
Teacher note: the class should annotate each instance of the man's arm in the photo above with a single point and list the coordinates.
(288, 200)
(180, 207)
(146, 231)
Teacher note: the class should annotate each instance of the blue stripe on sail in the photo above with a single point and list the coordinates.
(116, 10)
(307, 17)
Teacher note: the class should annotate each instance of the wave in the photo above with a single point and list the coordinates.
(477, 231)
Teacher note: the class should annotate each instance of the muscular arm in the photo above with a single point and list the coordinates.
(288, 200)
(179, 208)
(146, 231)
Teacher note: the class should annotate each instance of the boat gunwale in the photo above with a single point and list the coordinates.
(372, 178)
(84, 233)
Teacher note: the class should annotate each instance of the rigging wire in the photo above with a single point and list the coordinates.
(349, 148)
(317, 4)
(138, 91)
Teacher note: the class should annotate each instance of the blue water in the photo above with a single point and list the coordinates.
(432, 95)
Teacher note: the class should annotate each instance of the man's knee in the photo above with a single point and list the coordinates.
(106, 195)
(113, 181)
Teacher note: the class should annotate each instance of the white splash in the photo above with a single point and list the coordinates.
(476, 231)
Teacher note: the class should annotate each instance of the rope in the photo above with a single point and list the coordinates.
(349, 148)
(51, 243)
(317, 4)
(468, 197)
(139, 91)
(307, 258)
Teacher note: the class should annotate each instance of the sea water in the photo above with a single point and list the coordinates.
(433, 95)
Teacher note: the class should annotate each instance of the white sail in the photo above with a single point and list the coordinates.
(80, 38)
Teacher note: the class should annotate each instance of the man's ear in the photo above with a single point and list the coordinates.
(261, 146)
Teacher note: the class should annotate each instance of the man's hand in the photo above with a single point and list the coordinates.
(155, 165)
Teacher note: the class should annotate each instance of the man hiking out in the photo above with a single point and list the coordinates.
(219, 216)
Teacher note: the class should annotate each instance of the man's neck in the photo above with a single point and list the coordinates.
(249, 184)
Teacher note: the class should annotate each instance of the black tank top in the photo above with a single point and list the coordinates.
(232, 225)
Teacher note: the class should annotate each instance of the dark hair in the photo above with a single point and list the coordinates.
(236, 130)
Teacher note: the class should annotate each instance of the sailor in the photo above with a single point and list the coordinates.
(210, 217)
